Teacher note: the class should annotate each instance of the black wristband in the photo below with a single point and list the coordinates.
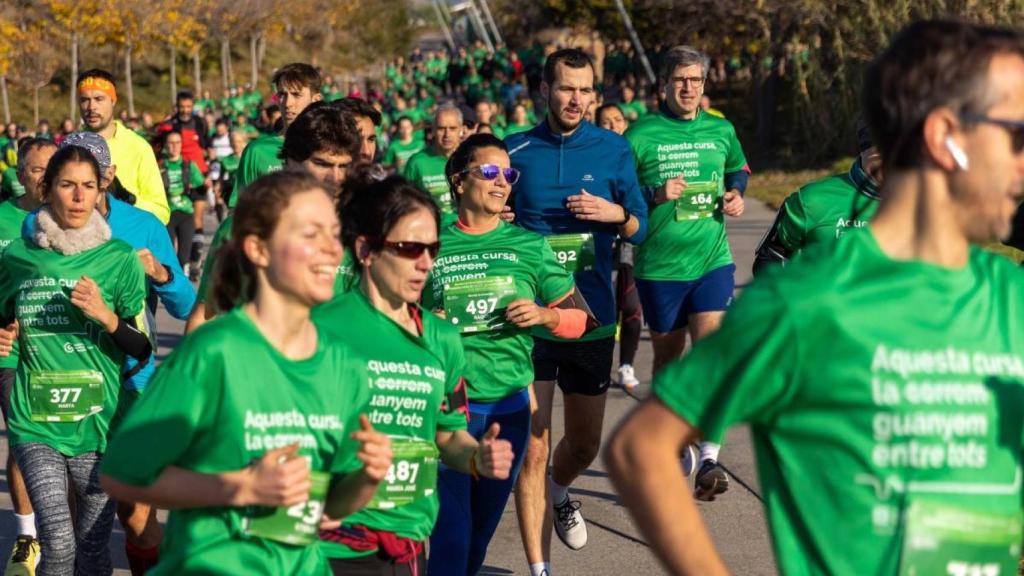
(626, 219)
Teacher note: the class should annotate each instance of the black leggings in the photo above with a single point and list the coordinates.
(182, 228)
(627, 303)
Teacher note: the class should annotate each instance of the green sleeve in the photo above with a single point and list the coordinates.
(131, 288)
(455, 368)
(410, 171)
(389, 156)
(6, 288)
(791, 228)
(744, 372)
(735, 160)
(219, 238)
(197, 177)
(161, 426)
(245, 174)
(553, 281)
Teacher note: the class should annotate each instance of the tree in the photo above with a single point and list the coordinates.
(10, 39)
(80, 21)
(180, 28)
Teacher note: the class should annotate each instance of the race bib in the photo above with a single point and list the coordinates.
(574, 251)
(443, 199)
(298, 525)
(948, 541)
(698, 201)
(479, 304)
(65, 396)
(413, 474)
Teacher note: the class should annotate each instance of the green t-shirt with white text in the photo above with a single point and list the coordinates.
(411, 379)
(426, 169)
(58, 343)
(896, 385)
(11, 219)
(686, 239)
(498, 361)
(243, 399)
(258, 158)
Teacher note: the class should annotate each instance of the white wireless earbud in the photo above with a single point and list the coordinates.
(957, 152)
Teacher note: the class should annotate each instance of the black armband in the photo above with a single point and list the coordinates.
(131, 340)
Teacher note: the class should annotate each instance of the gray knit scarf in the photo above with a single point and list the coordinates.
(70, 241)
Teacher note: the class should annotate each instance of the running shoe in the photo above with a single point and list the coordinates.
(689, 460)
(569, 524)
(710, 482)
(627, 377)
(24, 557)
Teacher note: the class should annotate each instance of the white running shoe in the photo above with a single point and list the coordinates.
(627, 377)
(569, 524)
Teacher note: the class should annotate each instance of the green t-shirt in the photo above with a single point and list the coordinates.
(634, 110)
(58, 342)
(426, 169)
(243, 398)
(259, 157)
(685, 239)
(10, 184)
(174, 174)
(517, 128)
(11, 219)
(411, 379)
(398, 153)
(498, 356)
(822, 211)
(871, 385)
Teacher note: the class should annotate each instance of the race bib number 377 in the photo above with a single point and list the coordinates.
(65, 396)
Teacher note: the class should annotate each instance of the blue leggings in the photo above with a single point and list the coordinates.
(470, 511)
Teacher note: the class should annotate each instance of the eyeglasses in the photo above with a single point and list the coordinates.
(695, 81)
(1014, 127)
(490, 172)
(413, 250)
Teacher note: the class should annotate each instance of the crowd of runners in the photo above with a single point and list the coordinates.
(404, 272)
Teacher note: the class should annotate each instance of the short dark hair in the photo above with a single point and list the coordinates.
(298, 74)
(930, 64)
(571, 57)
(184, 95)
(28, 145)
(358, 107)
(96, 73)
(464, 154)
(601, 110)
(372, 206)
(682, 56)
(321, 127)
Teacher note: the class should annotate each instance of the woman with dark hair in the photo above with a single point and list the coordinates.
(415, 363)
(260, 444)
(487, 280)
(76, 295)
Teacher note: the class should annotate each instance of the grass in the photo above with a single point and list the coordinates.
(773, 186)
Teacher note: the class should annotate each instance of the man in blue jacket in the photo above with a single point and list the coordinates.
(579, 189)
(168, 282)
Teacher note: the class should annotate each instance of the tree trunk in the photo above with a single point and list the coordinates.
(174, 74)
(254, 69)
(262, 52)
(3, 94)
(74, 76)
(128, 77)
(35, 105)
(227, 60)
(197, 70)
(224, 52)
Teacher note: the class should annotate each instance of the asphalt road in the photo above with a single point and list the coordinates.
(736, 519)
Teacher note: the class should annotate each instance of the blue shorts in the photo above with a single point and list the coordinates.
(668, 304)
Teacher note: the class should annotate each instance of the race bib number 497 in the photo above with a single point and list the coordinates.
(479, 304)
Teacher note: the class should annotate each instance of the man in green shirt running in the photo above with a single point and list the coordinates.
(403, 146)
(426, 168)
(882, 376)
(695, 172)
(822, 211)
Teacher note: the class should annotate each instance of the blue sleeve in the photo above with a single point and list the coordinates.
(178, 295)
(737, 181)
(631, 196)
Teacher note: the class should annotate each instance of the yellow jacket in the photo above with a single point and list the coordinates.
(138, 172)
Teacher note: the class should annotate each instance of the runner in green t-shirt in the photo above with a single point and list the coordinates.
(403, 146)
(426, 168)
(520, 121)
(322, 141)
(268, 438)
(823, 211)
(416, 367)
(34, 155)
(298, 85)
(77, 296)
(632, 108)
(694, 169)
(487, 280)
(882, 376)
(180, 177)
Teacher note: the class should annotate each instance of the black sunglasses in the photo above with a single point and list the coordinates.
(490, 172)
(412, 250)
(1014, 127)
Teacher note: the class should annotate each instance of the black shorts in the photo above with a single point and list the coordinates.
(6, 386)
(578, 367)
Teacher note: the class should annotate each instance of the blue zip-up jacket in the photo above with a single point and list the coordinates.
(141, 230)
(554, 167)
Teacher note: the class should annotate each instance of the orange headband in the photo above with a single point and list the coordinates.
(101, 84)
